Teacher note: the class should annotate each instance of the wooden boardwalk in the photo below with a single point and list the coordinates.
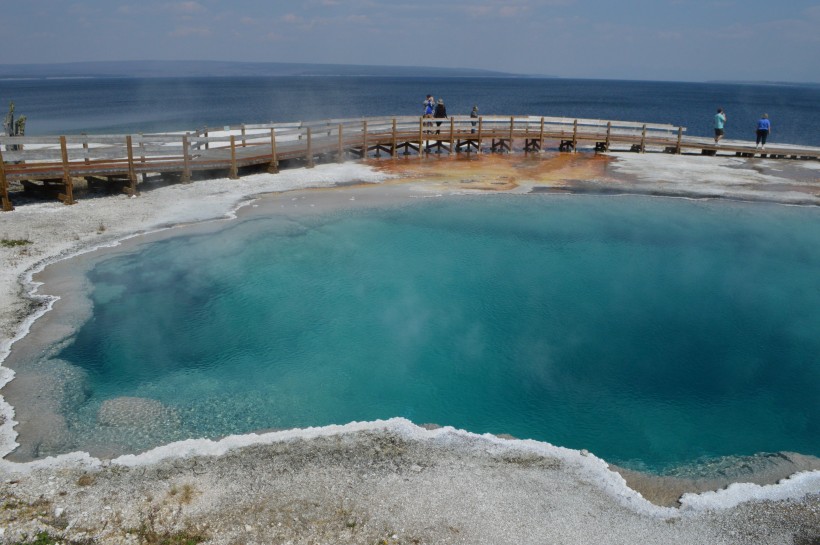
(53, 162)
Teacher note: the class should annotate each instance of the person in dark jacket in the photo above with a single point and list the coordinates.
(474, 116)
(763, 128)
(440, 113)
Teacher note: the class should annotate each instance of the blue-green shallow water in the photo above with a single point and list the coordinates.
(652, 332)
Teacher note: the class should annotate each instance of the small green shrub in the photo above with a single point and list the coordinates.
(42, 538)
(11, 243)
(149, 536)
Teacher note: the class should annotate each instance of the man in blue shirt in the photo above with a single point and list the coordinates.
(720, 119)
(429, 106)
(763, 128)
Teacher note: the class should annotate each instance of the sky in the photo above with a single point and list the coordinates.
(683, 40)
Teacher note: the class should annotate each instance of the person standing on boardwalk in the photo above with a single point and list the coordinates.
(474, 115)
(720, 120)
(763, 128)
(429, 106)
(440, 113)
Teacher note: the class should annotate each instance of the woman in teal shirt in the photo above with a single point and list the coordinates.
(720, 119)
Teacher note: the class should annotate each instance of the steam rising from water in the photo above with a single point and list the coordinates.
(649, 332)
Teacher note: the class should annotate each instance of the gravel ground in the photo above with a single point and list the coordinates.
(395, 484)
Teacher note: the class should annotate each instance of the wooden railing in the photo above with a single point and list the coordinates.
(55, 160)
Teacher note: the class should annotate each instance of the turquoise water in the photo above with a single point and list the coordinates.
(652, 332)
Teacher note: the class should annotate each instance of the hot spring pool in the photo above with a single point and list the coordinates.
(652, 332)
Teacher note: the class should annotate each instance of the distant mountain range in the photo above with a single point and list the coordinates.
(163, 69)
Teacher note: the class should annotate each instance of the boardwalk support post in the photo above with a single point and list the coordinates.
(643, 139)
(394, 146)
(421, 137)
(309, 149)
(186, 160)
(452, 134)
(273, 167)
(680, 137)
(541, 136)
(480, 129)
(526, 136)
(574, 136)
(512, 128)
(234, 173)
(364, 139)
(132, 174)
(142, 159)
(4, 186)
(341, 157)
(85, 149)
(68, 196)
(608, 135)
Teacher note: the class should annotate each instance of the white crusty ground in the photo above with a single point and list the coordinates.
(378, 482)
(720, 177)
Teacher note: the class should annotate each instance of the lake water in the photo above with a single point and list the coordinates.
(653, 332)
(172, 104)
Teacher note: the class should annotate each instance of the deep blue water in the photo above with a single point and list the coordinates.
(147, 105)
(652, 332)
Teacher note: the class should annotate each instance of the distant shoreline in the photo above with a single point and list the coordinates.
(225, 69)
(167, 69)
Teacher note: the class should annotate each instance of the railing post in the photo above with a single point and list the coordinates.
(234, 173)
(452, 134)
(273, 167)
(421, 137)
(680, 137)
(4, 186)
(574, 136)
(341, 157)
(132, 174)
(643, 139)
(68, 197)
(186, 162)
(85, 148)
(541, 136)
(395, 148)
(608, 134)
(364, 139)
(480, 129)
(243, 135)
(142, 155)
(207, 144)
(527, 136)
(512, 127)
(309, 149)
(143, 162)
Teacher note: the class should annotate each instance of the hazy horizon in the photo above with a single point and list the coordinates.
(216, 68)
(669, 40)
